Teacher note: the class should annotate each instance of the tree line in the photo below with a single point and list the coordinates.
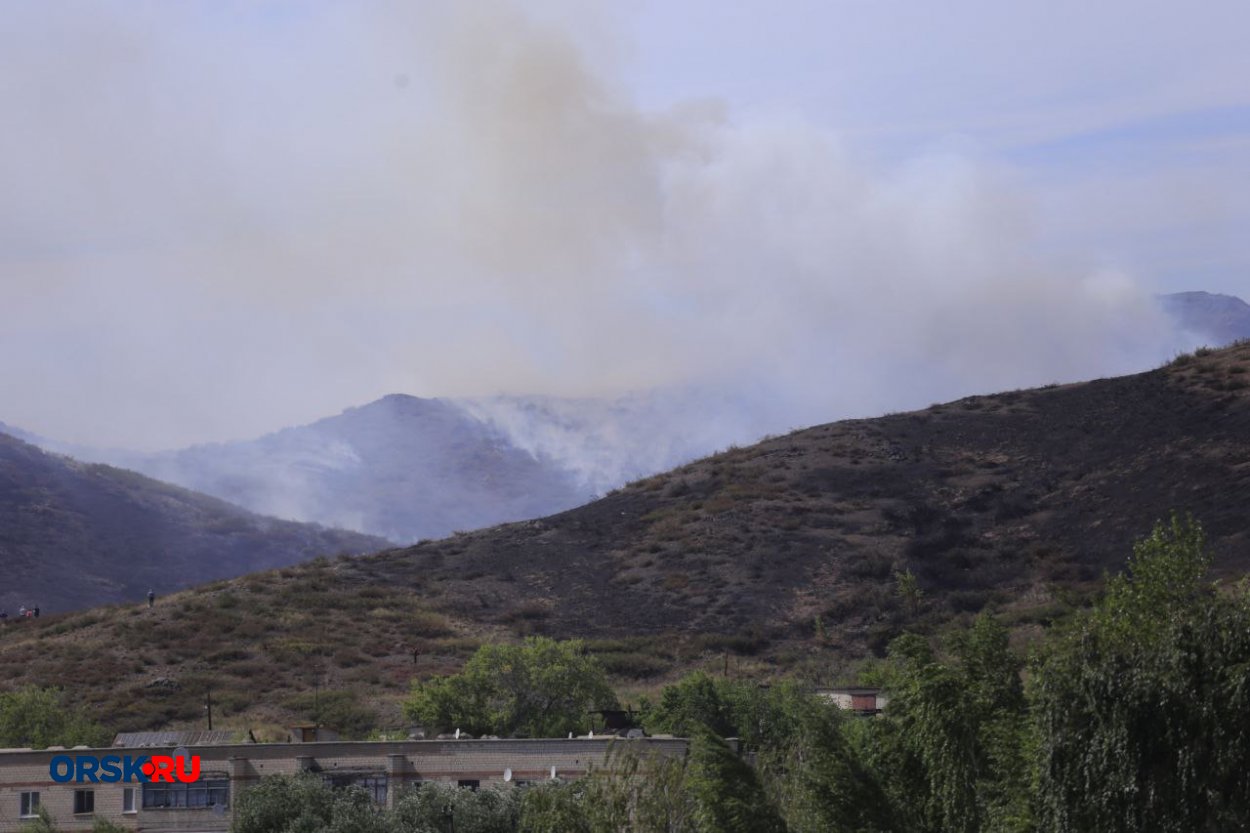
(1132, 715)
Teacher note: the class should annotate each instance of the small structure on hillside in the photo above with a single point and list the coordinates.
(192, 737)
(615, 722)
(311, 733)
(863, 701)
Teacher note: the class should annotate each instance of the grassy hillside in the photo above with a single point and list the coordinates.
(783, 554)
(74, 535)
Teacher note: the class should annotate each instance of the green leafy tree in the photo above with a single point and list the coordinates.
(425, 809)
(41, 823)
(907, 588)
(992, 673)
(642, 792)
(102, 825)
(304, 804)
(929, 703)
(347, 712)
(284, 804)
(554, 807)
(1143, 704)
(697, 699)
(39, 718)
(951, 749)
(833, 788)
(759, 715)
(539, 688)
(728, 795)
(354, 811)
(804, 766)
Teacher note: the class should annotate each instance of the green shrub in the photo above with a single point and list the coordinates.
(540, 688)
(343, 711)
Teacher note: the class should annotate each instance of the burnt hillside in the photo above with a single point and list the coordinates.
(786, 551)
(74, 535)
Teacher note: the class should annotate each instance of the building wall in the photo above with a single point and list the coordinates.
(402, 762)
(856, 699)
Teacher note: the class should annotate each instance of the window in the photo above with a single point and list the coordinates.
(84, 801)
(128, 800)
(203, 793)
(30, 805)
(469, 783)
(372, 783)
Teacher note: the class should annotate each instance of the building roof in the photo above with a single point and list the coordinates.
(184, 738)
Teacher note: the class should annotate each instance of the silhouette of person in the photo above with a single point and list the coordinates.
(151, 597)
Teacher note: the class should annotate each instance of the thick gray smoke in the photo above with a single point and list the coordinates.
(220, 220)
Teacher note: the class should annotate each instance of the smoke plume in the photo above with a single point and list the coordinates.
(221, 219)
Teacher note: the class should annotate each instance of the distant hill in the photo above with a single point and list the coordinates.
(402, 468)
(74, 534)
(1216, 320)
(780, 555)
(407, 469)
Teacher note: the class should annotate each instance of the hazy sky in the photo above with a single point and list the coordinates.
(221, 218)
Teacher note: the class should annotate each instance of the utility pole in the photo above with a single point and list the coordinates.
(208, 707)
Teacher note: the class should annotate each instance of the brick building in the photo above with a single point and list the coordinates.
(385, 768)
(863, 701)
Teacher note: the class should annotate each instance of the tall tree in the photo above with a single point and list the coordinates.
(728, 795)
(1143, 704)
(950, 752)
(40, 717)
(539, 688)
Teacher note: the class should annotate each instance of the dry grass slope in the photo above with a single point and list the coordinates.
(784, 554)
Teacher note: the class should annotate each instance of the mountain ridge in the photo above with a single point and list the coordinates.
(408, 468)
(400, 467)
(76, 534)
(784, 554)
(1217, 319)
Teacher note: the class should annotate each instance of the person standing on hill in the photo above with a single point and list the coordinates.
(151, 597)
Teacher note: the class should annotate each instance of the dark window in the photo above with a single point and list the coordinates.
(372, 783)
(30, 804)
(84, 801)
(469, 783)
(204, 793)
(128, 800)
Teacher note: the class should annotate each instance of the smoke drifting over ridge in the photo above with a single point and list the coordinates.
(215, 229)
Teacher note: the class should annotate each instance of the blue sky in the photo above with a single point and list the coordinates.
(222, 218)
